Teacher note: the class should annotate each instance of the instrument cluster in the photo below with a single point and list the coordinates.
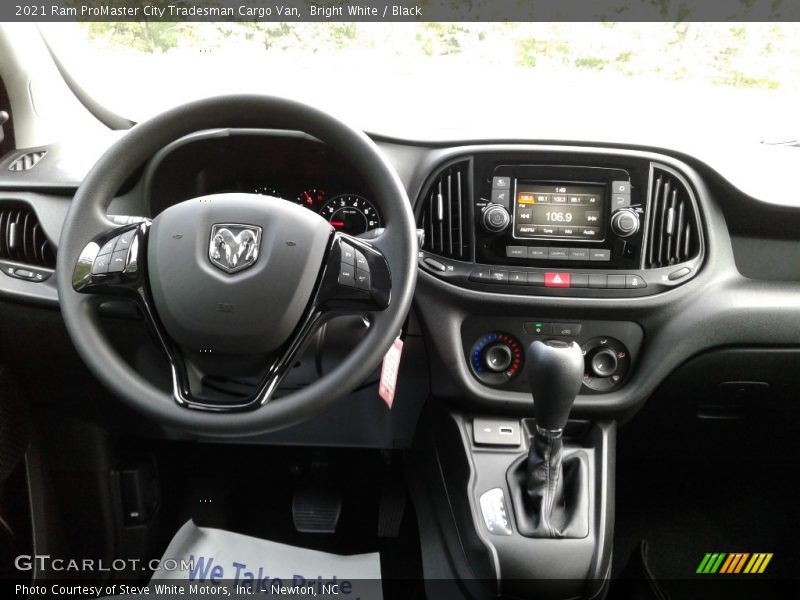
(348, 212)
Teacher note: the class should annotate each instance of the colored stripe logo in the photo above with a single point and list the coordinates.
(734, 562)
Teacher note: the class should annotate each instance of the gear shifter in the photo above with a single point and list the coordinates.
(555, 372)
(552, 491)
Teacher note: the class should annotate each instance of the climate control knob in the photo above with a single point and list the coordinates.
(625, 222)
(497, 357)
(495, 218)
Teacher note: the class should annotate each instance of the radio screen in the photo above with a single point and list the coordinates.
(563, 210)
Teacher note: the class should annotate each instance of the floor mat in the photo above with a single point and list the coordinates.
(214, 557)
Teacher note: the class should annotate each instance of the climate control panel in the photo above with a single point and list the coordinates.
(495, 349)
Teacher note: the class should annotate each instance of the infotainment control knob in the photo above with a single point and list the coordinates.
(624, 222)
(495, 218)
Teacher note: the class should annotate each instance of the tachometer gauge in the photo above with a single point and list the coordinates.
(312, 199)
(351, 214)
(265, 190)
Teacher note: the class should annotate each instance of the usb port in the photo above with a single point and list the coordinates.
(506, 431)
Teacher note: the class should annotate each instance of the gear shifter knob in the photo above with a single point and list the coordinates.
(555, 373)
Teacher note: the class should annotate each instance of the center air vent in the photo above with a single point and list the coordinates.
(445, 213)
(27, 161)
(673, 229)
(22, 239)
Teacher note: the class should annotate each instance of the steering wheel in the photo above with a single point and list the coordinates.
(234, 285)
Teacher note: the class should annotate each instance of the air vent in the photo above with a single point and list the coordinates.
(445, 213)
(27, 161)
(22, 239)
(673, 234)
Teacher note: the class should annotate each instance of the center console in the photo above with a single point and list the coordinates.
(539, 268)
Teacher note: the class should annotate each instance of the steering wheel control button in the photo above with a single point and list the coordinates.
(604, 362)
(101, 264)
(361, 261)
(633, 282)
(435, 264)
(347, 275)
(348, 254)
(481, 274)
(567, 329)
(679, 273)
(557, 280)
(598, 281)
(124, 241)
(518, 278)
(495, 512)
(495, 432)
(108, 247)
(600, 254)
(516, 252)
(362, 279)
(118, 261)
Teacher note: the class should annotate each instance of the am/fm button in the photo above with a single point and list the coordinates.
(557, 280)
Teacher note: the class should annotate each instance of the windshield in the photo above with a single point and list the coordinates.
(583, 81)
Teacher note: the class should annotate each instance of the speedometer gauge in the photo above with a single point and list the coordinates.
(351, 214)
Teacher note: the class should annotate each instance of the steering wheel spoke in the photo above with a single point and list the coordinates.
(114, 263)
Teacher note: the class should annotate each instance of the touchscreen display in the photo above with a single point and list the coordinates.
(562, 210)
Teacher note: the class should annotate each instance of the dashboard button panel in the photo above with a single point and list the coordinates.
(541, 281)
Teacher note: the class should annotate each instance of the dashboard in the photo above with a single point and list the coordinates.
(642, 257)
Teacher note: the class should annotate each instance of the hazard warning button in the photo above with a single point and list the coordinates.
(558, 280)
